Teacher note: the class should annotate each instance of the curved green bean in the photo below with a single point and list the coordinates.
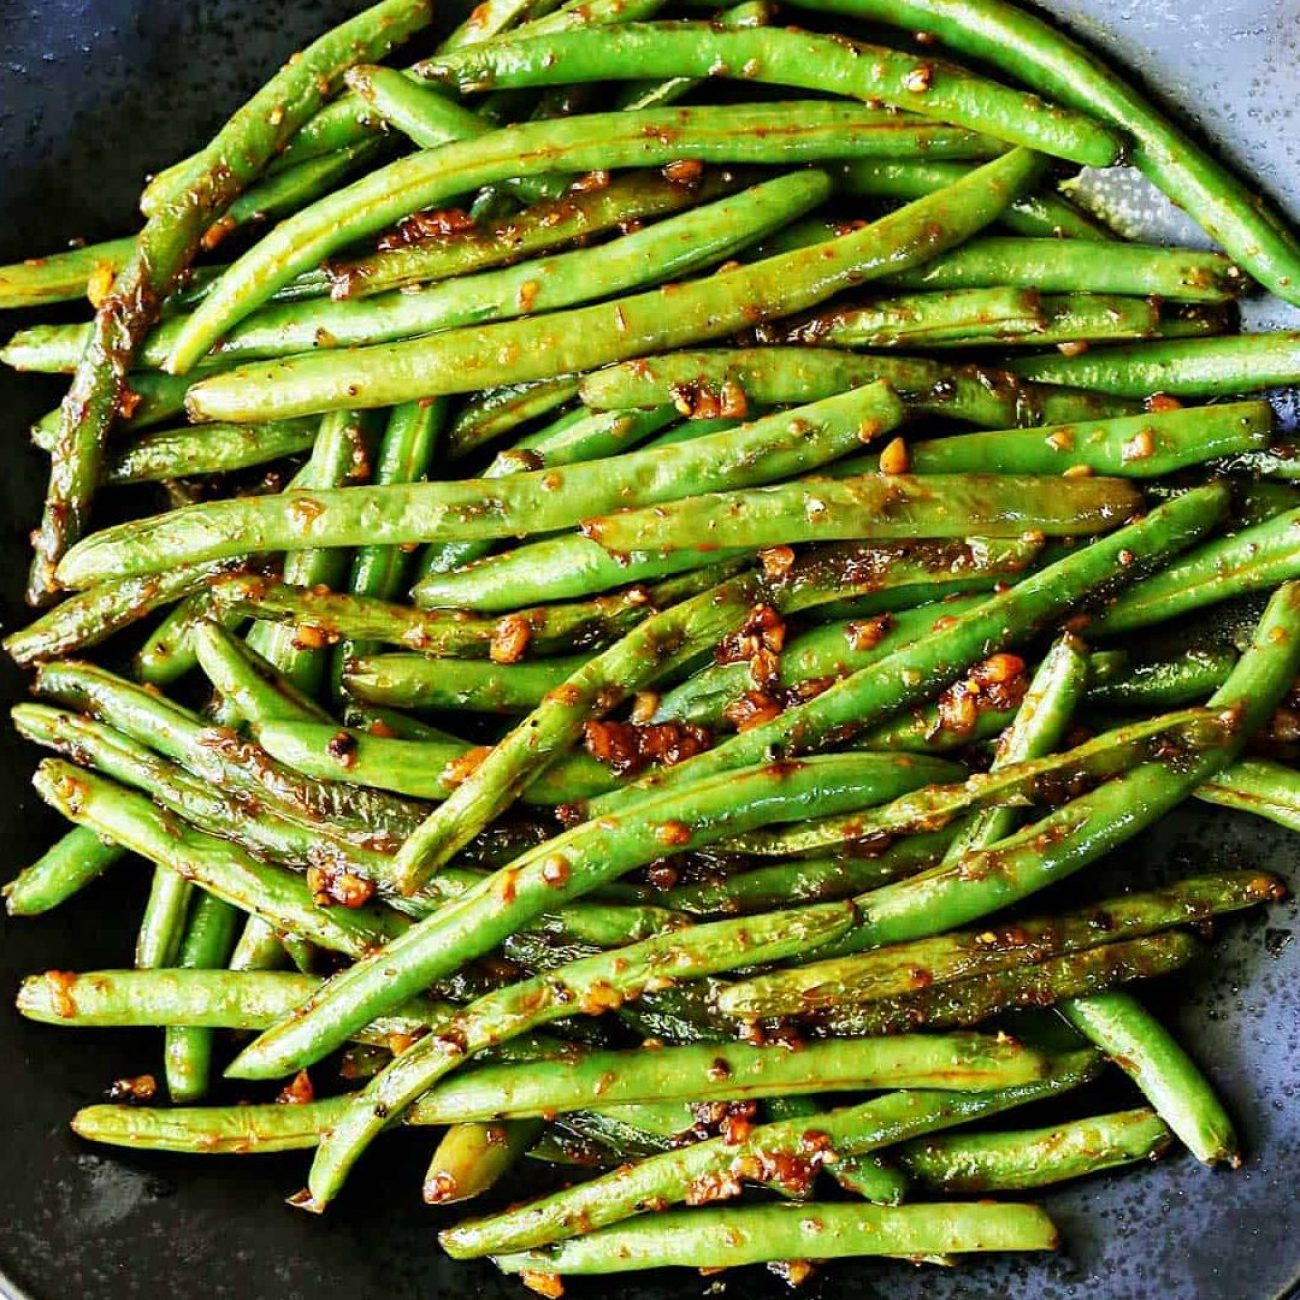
(63, 870)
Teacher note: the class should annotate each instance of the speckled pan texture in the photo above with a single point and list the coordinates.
(95, 93)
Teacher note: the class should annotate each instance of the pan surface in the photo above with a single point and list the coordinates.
(94, 93)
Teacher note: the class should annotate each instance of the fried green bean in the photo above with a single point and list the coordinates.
(756, 1234)
(1252, 785)
(1079, 266)
(472, 1158)
(221, 868)
(209, 940)
(772, 448)
(776, 375)
(448, 633)
(562, 869)
(637, 196)
(1254, 559)
(1038, 215)
(1140, 446)
(91, 616)
(581, 987)
(969, 1002)
(255, 688)
(1145, 1050)
(1221, 367)
(62, 276)
(66, 868)
(873, 506)
(1005, 1162)
(585, 337)
(216, 755)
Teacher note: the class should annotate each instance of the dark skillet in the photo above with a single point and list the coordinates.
(93, 93)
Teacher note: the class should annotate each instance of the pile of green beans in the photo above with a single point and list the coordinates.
(609, 621)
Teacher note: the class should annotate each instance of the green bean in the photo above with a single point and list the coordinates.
(756, 1234)
(1161, 683)
(411, 681)
(653, 93)
(585, 986)
(637, 196)
(153, 399)
(66, 868)
(62, 276)
(214, 755)
(971, 1001)
(716, 1165)
(221, 868)
(1037, 780)
(560, 568)
(454, 634)
(1141, 1046)
(1034, 51)
(215, 449)
(782, 57)
(418, 768)
(432, 120)
(806, 880)
(871, 506)
(165, 249)
(562, 869)
(211, 998)
(209, 941)
(405, 455)
(1139, 446)
(259, 949)
(162, 927)
(1252, 785)
(1220, 367)
(498, 410)
(918, 670)
(778, 375)
(257, 691)
(1005, 1162)
(710, 1071)
(1079, 266)
(90, 270)
(911, 967)
(341, 455)
(1039, 728)
(920, 319)
(472, 1158)
(1038, 215)
(1080, 831)
(586, 337)
(89, 617)
(1254, 559)
(771, 448)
